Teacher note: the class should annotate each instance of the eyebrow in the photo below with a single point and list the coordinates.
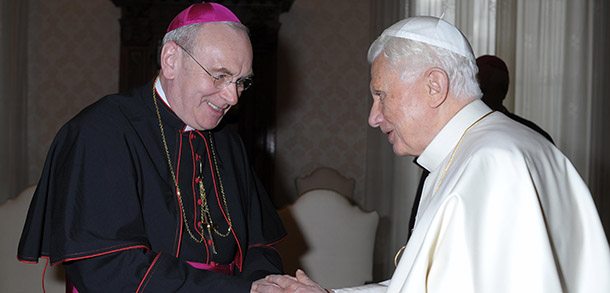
(222, 70)
(227, 71)
(377, 92)
(373, 89)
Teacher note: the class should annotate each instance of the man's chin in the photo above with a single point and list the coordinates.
(401, 151)
(209, 124)
(397, 150)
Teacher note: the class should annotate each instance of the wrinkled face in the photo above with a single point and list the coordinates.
(221, 50)
(398, 108)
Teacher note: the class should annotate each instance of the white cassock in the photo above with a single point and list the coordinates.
(511, 214)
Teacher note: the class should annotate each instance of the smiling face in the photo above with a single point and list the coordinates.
(399, 108)
(220, 49)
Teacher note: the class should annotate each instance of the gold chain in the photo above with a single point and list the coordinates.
(455, 150)
(222, 191)
(205, 211)
(396, 257)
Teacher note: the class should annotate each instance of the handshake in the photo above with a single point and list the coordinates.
(286, 283)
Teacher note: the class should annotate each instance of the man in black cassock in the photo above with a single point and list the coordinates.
(494, 81)
(146, 191)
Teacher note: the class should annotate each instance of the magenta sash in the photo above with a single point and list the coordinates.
(223, 269)
(214, 267)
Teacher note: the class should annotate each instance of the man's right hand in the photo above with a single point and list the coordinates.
(285, 283)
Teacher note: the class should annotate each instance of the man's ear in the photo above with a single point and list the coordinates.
(437, 86)
(169, 59)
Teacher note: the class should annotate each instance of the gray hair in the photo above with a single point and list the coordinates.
(186, 36)
(419, 56)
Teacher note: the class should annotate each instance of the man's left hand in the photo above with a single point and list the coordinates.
(284, 284)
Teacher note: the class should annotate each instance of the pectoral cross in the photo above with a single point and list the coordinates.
(207, 217)
(208, 226)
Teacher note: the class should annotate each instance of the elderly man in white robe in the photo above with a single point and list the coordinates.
(503, 210)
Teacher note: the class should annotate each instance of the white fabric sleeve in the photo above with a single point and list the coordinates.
(369, 288)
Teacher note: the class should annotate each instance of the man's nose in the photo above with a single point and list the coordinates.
(231, 94)
(375, 116)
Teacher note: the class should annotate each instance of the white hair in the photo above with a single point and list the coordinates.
(413, 58)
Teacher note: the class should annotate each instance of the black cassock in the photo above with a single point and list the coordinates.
(106, 205)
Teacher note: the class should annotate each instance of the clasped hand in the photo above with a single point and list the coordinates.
(285, 283)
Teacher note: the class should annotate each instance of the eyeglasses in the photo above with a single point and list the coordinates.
(222, 81)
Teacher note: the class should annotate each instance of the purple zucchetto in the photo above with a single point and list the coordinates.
(202, 13)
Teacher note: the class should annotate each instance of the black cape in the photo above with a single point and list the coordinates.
(106, 205)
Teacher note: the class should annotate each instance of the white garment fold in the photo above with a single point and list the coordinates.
(511, 214)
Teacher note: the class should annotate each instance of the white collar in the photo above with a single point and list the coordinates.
(444, 142)
(161, 93)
